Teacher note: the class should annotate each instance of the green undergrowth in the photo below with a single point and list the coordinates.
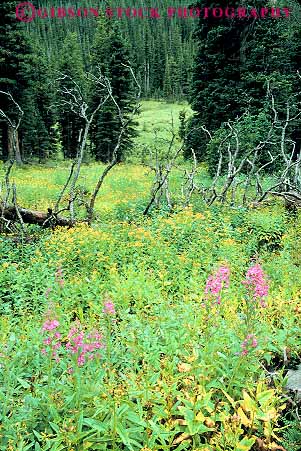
(170, 372)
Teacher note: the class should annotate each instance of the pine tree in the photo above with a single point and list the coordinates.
(71, 65)
(14, 46)
(37, 101)
(235, 61)
(110, 55)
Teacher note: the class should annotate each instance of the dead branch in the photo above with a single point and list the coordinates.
(14, 126)
(74, 99)
(189, 186)
(124, 124)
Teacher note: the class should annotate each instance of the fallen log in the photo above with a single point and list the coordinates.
(49, 219)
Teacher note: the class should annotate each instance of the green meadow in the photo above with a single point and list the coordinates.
(162, 333)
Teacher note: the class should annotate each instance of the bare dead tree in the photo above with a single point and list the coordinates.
(11, 213)
(189, 185)
(288, 182)
(245, 167)
(74, 99)
(125, 120)
(8, 189)
(162, 168)
(13, 125)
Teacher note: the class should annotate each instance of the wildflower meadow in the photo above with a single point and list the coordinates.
(173, 331)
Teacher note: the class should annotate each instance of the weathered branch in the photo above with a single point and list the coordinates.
(124, 123)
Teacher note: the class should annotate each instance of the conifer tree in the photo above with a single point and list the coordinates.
(14, 46)
(110, 55)
(37, 100)
(236, 61)
(72, 66)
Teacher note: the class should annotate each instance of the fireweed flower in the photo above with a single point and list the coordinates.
(52, 341)
(256, 284)
(109, 308)
(50, 324)
(84, 345)
(249, 343)
(216, 282)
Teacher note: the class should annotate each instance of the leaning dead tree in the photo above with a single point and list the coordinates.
(125, 120)
(72, 98)
(242, 165)
(13, 124)
(8, 192)
(162, 164)
(189, 185)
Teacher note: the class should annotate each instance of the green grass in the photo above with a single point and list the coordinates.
(170, 374)
(159, 116)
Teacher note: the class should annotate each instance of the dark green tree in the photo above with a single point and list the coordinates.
(72, 67)
(14, 47)
(110, 55)
(36, 131)
(238, 61)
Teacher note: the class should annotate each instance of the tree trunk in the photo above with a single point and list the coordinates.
(35, 217)
(13, 146)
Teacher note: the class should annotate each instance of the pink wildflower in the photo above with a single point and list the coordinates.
(216, 282)
(256, 284)
(52, 340)
(84, 345)
(50, 324)
(249, 342)
(81, 359)
(109, 308)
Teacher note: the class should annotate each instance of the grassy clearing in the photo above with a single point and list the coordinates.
(39, 187)
(159, 116)
(129, 335)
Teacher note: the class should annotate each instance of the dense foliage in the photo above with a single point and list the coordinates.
(160, 53)
(239, 65)
(165, 317)
(155, 334)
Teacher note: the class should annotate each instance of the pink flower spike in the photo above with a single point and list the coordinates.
(256, 284)
(81, 359)
(109, 308)
(216, 282)
(249, 342)
(50, 324)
